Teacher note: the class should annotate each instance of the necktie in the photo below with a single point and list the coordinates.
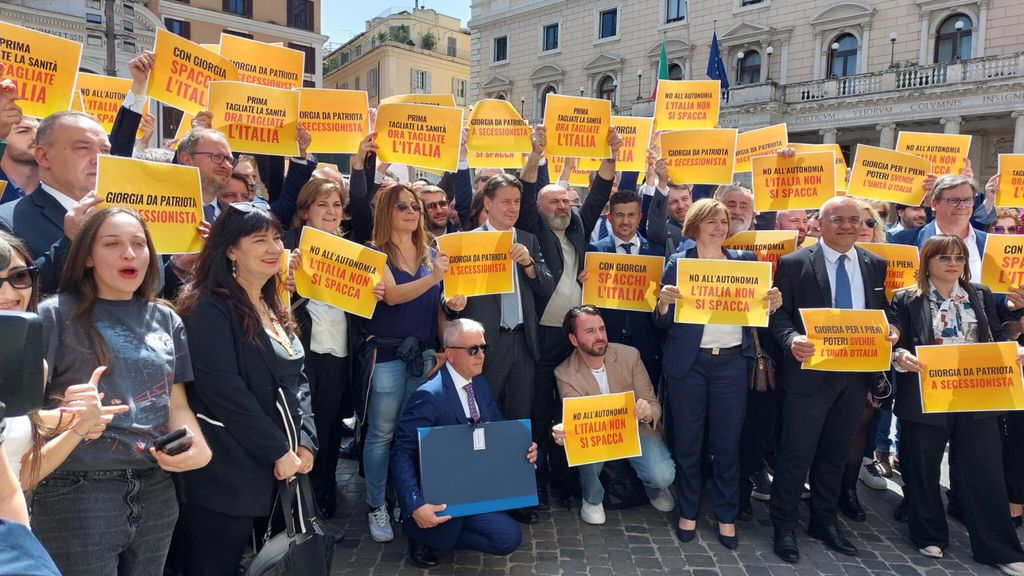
(627, 247)
(602, 230)
(208, 213)
(474, 412)
(844, 296)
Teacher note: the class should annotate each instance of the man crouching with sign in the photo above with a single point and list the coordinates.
(457, 394)
(595, 368)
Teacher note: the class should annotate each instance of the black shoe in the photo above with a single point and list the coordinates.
(746, 513)
(524, 515)
(899, 514)
(543, 500)
(349, 450)
(831, 537)
(421, 555)
(730, 542)
(850, 506)
(785, 546)
(761, 486)
(685, 536)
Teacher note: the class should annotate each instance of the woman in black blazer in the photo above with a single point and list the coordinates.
(250, 395)
(946, 308)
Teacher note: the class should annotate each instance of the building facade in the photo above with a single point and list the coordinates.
(845, 72)
(412, 51)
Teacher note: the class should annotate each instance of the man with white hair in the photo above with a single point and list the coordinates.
(739, 200)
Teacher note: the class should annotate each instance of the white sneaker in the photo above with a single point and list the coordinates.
(931, 551)
(380, 524)
(1012, 568)
(592, 513)
(664, 502)
(869, 475)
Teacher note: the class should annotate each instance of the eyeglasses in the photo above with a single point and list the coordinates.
(952, 258)
(218, 158)
(471, 350)
(871, 222)
(248, 207)
(21, 279)
(955, 202)
(403, 206)
(1006, 229)
(439, 205)
(839, 220)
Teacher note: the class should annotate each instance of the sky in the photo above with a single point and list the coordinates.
(343, 19)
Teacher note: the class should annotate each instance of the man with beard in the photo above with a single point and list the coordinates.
(562, 232)
(598, 367)
(907, 217)
(18, 166)
(740, 203)
(793, 220)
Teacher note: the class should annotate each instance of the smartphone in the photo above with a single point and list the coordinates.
(174, 443)
(21, 363)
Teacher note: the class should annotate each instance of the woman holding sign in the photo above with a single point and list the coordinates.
(947, 308)
(706, 369)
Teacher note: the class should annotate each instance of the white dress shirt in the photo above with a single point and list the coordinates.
(973, 254)
(601, 375)
(460, 389)
(633, 250)
(852, 271)
(66, 201)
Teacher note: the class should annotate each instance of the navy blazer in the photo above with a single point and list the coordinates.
(796, 276)
(683, 340)
(435, 403)
(918, 236)
(234, 397)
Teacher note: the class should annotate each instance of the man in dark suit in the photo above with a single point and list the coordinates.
(457, 394)
(820, 409)
(668, 210)
(562, 232)
(631, 328)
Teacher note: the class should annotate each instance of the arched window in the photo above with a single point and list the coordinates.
(544, 97)
(842, 56)
(675, 72)
(500, 96)
(953, 38)
(749, 67)
(606, 88)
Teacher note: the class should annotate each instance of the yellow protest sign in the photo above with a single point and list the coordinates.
(480, 263)
(882, 174)
(600, 428)
(577, 176)
(761, 142)
(168, 197)
(446, 100)
(339, 272)
(263, 64)
(1011, 180)
(77, 104)
(42, 66)
(847, 340)
(337, 120)
(282, 281)
(636, 136)
(183, 71)
(510, 160)
(947, 153)
(808, 241)
(767, 245)
(215, 48)
(801, 182)
(256, 119)
(3, 188)
(722, 292)
(102, 96)
(699, 156)
(577, 127)
(419, 135)
(184, 126)
(496, 126)
(622, 281)
(903, 262)
(687, 104)
(834, 148)
(1002, 264)
(588, 164)
(970, 378)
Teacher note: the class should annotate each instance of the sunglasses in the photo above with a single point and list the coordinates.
(21, 279)
(1006, 229)
(952, 258)
(439, 205)
(471, 350)
(247, 207)
(871, 222)
(403, 206)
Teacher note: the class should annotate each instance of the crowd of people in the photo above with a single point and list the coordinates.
(139, 344)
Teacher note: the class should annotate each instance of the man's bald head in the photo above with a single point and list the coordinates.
(553, 202)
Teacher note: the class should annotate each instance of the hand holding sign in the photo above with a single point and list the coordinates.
(426, 515)
(368, 145)
(802, 349)
(139, 68)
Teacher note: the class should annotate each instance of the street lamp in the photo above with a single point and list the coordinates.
(959, 27)
(739, 62)
(522, 106)
(582, 90)
(892, 50)
(769, 51)
(832, 60)
(639, 81)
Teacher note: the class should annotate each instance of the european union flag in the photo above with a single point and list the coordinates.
(716, 67)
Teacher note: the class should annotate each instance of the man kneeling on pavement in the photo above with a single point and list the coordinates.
(597, 367)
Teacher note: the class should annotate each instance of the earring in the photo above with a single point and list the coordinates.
(234, 270)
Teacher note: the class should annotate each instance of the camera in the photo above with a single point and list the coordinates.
(21, 363)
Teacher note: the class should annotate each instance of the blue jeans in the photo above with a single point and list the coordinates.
(390, 387)
(654, 467)
(105, 523)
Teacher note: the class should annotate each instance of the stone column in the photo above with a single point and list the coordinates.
(887, 139)
(784, 61)
(1018, 132)
(828, 135)
(862, 52)
(818, 74)
(978, 45)
(952, 124)
(922, 52)
(764, 61)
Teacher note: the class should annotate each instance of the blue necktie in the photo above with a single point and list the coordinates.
(627, 247)
(844, 295)
(602, 231)
(209, 213)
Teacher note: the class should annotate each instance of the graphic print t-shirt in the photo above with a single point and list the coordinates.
(147, 351)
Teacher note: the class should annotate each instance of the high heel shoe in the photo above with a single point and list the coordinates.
(685, 535)
(729, 542)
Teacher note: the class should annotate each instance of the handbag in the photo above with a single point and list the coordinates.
(762, 372)
(306, 551)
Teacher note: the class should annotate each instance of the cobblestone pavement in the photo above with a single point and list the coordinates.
(640, 541)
